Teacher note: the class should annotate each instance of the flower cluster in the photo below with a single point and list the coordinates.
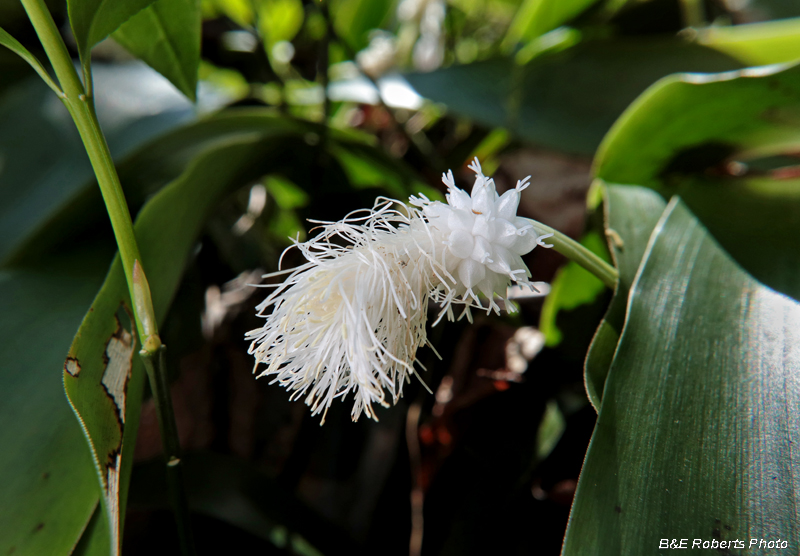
(353, 316)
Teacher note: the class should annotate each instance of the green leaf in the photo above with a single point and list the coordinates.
(166, 35)
(44, 166)
(94, 20)
(566, 100)
(695, 431)
(354, 19)
(279, 20)
(14, 45)
(757, 44)
(99, 365)
(678, 138)
(536, 17)
(47, 485)
(631, 213)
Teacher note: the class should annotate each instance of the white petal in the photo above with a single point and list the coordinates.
(481, 227)
(524, 243)
(483, 200)
(460, 220)
(504, 233)
(471, 272)
(507, 206)
(482, 252)
(502, 259)
(459, 199)
(461, 243)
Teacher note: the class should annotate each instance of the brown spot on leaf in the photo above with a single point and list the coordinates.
(39, 527)
(72, 366)
(618, 509)
(46, 475)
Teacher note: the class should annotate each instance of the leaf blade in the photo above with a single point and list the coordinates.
(737, 422)
(166, 36)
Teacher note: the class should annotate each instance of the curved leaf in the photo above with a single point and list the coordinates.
(166, 35)
(101, 382)
(680, 135)
(695, 431)
(94, 20)
(566, 100)
(631, 213)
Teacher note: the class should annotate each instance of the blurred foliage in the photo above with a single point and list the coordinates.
(220, 187)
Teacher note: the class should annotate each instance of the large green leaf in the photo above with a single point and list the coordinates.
(94, 20)
(44, 166)
(695, 431)
(631, 213)
(47, 486)
(166, 35)
(161, 160)
(677, 138)
(566, 100)
(100, 361)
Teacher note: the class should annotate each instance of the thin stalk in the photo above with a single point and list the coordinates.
(81, 107)
(692, 12)
(154, 362)
(576, 252)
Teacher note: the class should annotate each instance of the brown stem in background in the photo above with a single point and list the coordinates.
(417, 494)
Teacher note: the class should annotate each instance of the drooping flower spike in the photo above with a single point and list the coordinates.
(352, 318)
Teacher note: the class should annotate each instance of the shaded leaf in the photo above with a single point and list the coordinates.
(44, 166)
(694, 435)
(99, 363)
(47, 485)
(631, 213)
(566, 100)
(166, 35)
(678, 137)
(94, 20)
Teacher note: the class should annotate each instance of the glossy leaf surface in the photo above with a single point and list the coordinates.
(680, 137)
(166, 35)
(695, 431)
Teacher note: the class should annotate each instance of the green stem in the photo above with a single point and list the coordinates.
(81, 107)
(576, 252)
(154, 361)
(692, 12)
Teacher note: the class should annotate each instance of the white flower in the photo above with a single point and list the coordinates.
(353, 317)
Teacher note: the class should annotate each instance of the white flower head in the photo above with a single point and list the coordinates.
(353, 316)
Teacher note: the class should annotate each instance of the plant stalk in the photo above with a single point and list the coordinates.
(154, 361)
(82, 110)
(576, 252)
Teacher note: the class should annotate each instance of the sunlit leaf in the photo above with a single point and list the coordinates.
(681, 136)
(757, 44)
(166, 35)
(94, 20)
(695, 431)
